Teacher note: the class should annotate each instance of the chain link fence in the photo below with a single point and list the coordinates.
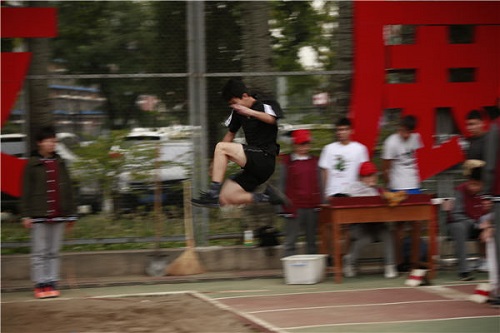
(132, 82)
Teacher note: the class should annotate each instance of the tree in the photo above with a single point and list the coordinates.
(297, 25)
(39, 112)
(107, 37)
(169, 55)
(224, 54)
(342, 83)
(257, 52)
(97, 166)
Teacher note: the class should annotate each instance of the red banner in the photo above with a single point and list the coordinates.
(21, 23)
(28, 22)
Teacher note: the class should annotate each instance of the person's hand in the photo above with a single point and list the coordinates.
(485, 224)
(243, 110)
(486, 234)
(447, 205)
(27, 222)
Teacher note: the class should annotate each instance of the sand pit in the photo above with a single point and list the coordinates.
(183, 312)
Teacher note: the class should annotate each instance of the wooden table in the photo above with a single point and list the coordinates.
(348, 210)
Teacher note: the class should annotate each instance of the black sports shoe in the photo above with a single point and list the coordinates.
(276, 197)
(466, 276)
(206, 199)
(495, 303)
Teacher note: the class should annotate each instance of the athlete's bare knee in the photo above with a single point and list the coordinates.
(221, 147)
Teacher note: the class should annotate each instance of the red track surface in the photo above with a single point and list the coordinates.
(360, 306)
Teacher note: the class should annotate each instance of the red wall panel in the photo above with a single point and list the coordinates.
(431, 56)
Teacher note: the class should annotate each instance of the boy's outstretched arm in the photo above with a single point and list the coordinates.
(262, 116)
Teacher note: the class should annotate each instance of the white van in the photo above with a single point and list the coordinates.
(136, 183)
(15, 145)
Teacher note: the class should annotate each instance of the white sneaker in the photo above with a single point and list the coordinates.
(347, 267)
(483, 266)
(390, 271)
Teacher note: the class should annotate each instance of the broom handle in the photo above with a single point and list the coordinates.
(157, 200)
(188, 218)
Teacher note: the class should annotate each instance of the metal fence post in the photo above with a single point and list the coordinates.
(198, 109)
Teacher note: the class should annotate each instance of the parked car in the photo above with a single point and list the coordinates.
(154, 157)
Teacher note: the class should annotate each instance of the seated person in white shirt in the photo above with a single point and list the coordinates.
(365, 233)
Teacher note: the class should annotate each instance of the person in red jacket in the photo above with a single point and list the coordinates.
(465, 216)
(300, 176)
(492, 178)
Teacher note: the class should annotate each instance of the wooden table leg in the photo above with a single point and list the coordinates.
(325, 237)
(337, 264)
(433, 230)
(415, 243)
(398, 242)
(323, 249)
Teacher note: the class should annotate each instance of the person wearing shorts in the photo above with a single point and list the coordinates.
(257, 157)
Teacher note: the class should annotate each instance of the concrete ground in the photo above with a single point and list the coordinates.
(238, 290)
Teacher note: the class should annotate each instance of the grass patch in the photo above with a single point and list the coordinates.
(138, 225)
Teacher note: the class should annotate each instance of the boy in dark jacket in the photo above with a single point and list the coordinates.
(476, 131)
(465, 216)
(492, 180)
(47, 206)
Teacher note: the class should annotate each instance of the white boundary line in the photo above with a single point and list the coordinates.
(350, 306)
(334, 291)
(387, 322)
(259, 322)
(159, 293)
(306, 293)
(447, 292)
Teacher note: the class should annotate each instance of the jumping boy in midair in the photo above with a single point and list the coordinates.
(257, 157)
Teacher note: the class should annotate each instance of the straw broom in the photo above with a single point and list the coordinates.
(188, 262)
(158, 263)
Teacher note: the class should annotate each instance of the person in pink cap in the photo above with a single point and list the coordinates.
(301, 183)
(365, 233)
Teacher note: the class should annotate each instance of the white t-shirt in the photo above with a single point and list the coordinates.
(360, 189)
(342, 163)
(403, 174)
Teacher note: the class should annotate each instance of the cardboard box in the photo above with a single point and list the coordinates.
(304, 268)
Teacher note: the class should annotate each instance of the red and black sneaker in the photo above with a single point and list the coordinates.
(51, 291)
(40, 291)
